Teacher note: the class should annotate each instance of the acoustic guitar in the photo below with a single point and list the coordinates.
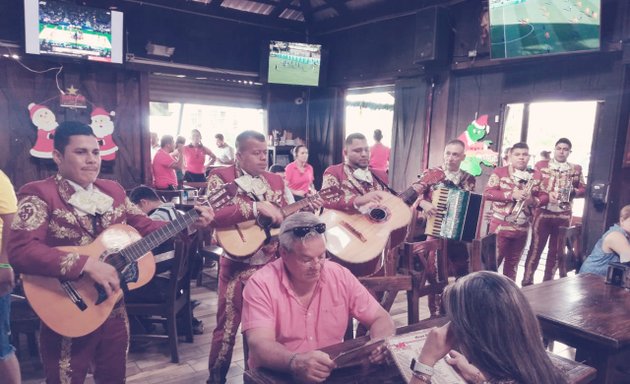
(76, 308)
(244, 239)
(357, 240)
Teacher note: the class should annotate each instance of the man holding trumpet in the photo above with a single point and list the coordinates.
(514, 191)
(563, 181)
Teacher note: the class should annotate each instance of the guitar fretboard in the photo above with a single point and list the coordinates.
(136, 250)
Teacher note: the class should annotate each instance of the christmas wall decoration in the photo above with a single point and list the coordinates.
(46, 122)
(103, 127)
(477, 151)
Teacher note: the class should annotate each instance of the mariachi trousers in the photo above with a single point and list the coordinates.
(545, 226)
(511, 240)
(232, 278)
(67, 360)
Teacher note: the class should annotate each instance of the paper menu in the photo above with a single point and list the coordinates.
(406, 347)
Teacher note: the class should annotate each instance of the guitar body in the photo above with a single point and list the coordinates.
(51, 302)
(358, 240)
(243, 239)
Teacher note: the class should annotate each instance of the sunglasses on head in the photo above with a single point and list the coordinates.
(303, 231)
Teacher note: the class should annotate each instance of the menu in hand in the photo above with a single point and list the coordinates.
(406, 347)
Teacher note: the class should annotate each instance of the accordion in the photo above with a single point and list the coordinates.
(457, 214)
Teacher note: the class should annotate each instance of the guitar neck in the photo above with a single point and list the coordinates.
(157, 237)
(298, 205)
(409, 196)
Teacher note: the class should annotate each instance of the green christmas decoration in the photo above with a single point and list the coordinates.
(477, 151)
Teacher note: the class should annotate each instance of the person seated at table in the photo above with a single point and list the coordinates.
(299, 174)
(488, 341)
(613, 247)
(301, 302)
(155, 291)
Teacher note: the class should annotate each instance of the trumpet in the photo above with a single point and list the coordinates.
(517, 208)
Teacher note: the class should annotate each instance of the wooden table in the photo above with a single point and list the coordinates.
(386, 374)
(590, 315)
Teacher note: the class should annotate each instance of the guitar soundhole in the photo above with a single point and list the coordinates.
(378, 214)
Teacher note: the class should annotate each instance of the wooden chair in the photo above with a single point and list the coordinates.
(483, 255)
(208, 253)
(569, 248)
(177, 301)
(420, 260)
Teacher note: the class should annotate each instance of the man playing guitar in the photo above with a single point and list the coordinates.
(72, 209)
(450, 176)
(261, 194)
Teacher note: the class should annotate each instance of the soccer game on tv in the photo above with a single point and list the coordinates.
(539, 27)
(65, 29)
(294, 63)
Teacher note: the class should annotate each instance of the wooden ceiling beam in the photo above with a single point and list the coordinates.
(279, 8)
(307, 12)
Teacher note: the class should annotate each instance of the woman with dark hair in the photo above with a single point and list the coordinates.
(614, 246)
(492, 337)
(195, 156)
(299, 174)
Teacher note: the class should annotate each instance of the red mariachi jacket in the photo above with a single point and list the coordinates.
(45, 220)
(554, 175)
(340, 175)
(241, 208)
(499, 190)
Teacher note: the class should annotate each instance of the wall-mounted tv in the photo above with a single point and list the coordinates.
(294, 63)
(539, 27)
(64, 29)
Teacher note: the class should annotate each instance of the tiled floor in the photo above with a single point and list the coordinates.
(152, 364)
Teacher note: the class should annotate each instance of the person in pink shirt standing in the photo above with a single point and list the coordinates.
(195, 156)
(300, 303)
(299, 174)
(379, 153)
(164, 164)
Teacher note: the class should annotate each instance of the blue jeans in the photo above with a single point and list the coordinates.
(6, 349)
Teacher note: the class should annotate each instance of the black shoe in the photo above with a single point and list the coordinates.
(194, 304)
(197, 326)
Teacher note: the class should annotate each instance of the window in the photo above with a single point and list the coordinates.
(370, 109)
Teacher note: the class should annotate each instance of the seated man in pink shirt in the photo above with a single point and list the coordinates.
(300, 303)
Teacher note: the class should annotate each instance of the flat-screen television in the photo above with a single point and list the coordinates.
(64, 29)
(294, 63)
(539, 27)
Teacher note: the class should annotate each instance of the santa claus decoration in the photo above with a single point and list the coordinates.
(46, 122)
(103, 128)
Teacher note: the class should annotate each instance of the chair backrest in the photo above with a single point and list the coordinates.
(484, 254)
(180, 272)
(425, 256)
(569, 248)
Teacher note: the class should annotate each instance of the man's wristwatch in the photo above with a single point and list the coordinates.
(423, 369)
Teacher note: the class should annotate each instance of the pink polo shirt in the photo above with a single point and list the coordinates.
(163, 174)
(269, 302)
(195, 158)
(298, 180)
(379, 157)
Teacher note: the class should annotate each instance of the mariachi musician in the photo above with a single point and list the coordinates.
(562, 181)
(450, 176)
(514, 191)
(361, 187)
(260, 193)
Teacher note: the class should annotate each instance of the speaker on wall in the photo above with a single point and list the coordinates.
(433, 36)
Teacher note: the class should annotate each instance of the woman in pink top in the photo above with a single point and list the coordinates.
(379, 153)
(195, 156)
(299, 174)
